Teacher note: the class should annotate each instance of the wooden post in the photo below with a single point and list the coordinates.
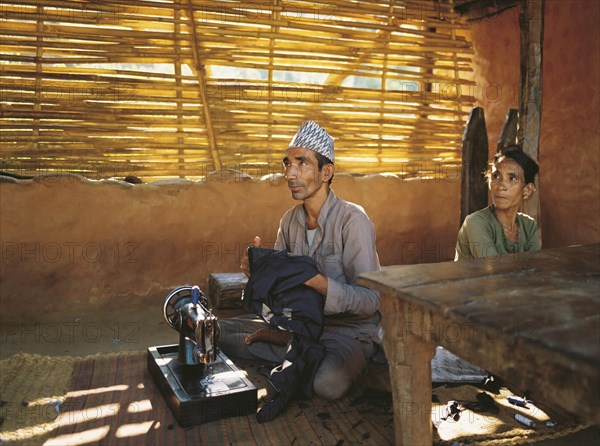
(201, 75)
(473, 192)
(39, 77)
(384, 79)
(409, 362)
(274, 152)
(531, 20)
(178, 84)
(508, 136)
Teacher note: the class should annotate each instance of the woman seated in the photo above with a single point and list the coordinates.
(500, 228)
(495, 230)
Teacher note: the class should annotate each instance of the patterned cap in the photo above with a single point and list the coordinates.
(314, 137)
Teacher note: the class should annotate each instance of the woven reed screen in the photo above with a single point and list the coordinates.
(111, 88)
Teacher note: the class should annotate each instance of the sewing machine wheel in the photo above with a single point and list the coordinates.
(178, 298)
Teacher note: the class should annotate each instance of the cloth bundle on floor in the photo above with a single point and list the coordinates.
(276, 292)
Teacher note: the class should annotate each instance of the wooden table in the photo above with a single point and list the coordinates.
(533, 319)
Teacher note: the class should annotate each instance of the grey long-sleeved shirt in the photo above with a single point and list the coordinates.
(343, 248)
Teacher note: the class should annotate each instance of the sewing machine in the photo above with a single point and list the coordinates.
(198, 382)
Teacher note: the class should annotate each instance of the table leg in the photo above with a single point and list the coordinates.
(409, 358)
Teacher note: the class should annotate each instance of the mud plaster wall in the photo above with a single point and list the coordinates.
(73, 243)
(569, 184)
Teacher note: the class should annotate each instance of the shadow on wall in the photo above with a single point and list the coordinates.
(69, 241)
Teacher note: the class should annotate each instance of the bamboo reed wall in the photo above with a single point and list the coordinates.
(139, 87)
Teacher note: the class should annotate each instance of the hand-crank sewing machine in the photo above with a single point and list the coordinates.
(198, 381)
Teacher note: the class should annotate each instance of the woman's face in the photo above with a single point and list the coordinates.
(507, 184)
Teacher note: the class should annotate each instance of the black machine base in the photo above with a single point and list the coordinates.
(198, 394)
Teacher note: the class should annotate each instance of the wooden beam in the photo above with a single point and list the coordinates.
(475, 10)
(178, 83)
(275, 29)
(212, 143)
(508, 136)
(39, 68)
(531, 20)
(384, 77)
(473, 192)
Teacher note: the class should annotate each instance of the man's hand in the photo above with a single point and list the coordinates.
(318, 283)
(270, 335)
(245, 266)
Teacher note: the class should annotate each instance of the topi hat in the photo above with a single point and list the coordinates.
(314, 137)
